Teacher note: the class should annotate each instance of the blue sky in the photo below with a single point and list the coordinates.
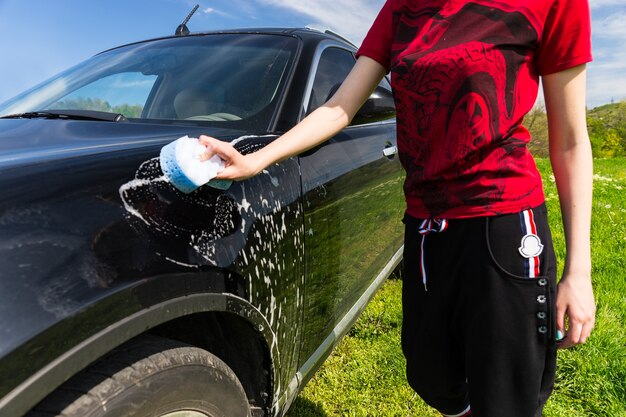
(39, 38)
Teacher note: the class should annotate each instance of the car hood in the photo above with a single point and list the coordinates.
(29, 141)
(84, 217)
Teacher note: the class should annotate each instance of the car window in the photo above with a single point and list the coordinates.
(227, 80)
(384, 83)
(124, 93)
(333, 67)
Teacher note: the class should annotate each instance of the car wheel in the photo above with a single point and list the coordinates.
(150, 377)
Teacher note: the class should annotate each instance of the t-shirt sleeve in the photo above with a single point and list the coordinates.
(566, 39)
(377, 43)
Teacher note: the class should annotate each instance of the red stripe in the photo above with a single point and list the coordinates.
(531, 217)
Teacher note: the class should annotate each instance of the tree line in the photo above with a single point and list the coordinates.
(606, 124)
(88, 103)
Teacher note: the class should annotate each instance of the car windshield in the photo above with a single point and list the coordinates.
(229, 80)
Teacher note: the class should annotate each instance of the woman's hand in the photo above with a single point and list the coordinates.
(572, 163)
(236, 166)
(575, 302)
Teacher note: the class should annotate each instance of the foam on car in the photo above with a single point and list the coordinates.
(182, 223)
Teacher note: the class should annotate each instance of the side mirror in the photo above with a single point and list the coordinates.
(379, 106)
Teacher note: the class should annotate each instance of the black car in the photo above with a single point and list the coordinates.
(120, 295)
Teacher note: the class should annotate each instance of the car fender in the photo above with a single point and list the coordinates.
(25, 395)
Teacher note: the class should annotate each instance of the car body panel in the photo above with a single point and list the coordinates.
(97, 247)
(351, 224)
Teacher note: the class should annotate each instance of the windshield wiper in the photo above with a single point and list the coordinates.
(70, 115)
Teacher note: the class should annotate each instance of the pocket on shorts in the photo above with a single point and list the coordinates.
(520, 247)
(520, 244)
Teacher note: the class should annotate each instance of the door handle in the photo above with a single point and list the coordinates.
(390, 151)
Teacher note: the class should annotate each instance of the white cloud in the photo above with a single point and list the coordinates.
(349, 18)
(606, 74)
(597, 4)
(214, 11)
(611, 27)
(604, 89)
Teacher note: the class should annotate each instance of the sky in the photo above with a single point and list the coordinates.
(39, 38)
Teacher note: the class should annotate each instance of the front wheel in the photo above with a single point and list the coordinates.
(150, 377)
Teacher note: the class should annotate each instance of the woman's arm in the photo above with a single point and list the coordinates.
(319, 126)
(570, 155)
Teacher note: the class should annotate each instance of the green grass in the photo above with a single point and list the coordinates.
(365, 374)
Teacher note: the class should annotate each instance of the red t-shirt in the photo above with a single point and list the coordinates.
(464, 74)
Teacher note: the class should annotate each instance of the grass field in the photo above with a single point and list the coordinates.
(365, 374)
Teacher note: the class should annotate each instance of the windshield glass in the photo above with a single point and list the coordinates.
(230, 80)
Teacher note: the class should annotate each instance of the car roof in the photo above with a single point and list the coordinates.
(306, 32)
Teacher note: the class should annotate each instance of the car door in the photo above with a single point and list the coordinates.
(353, 204)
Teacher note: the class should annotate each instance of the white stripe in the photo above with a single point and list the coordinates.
(422, 262)
(531, 268)
(529, 230)
(460, 414)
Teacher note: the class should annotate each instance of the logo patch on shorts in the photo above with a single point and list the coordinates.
(531, 246)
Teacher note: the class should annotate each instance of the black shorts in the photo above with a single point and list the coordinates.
(479, 328)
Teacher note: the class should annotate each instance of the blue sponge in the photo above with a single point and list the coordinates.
(182, 166)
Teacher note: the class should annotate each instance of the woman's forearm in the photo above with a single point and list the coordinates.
(572, 163)
(570, 155)
(317, 127)
(573, 172)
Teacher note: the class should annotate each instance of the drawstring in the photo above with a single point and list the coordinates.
(429, 226)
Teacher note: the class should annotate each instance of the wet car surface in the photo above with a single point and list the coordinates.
(98, 249)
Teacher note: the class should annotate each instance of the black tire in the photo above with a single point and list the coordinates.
(148, 377)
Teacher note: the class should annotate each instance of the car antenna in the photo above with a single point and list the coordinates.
(182, 28)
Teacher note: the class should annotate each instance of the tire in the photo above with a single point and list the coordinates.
(150, 377)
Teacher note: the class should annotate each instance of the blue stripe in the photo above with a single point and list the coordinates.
(523, 223)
